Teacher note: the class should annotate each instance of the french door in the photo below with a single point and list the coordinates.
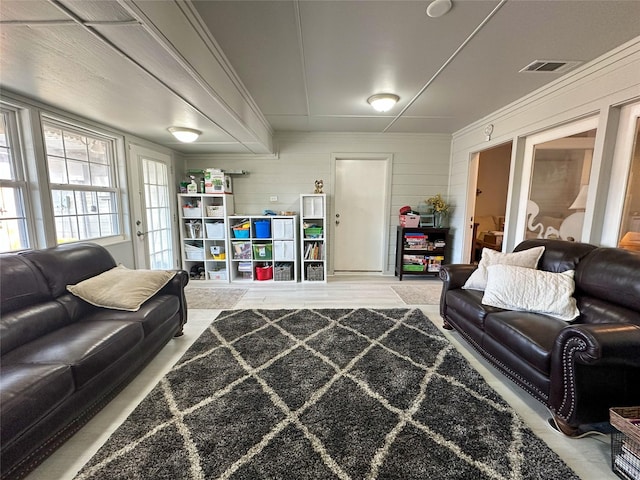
(152, 209)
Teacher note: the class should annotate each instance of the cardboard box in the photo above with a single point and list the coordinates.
(215, 181)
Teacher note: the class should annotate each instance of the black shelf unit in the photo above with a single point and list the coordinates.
(420, 250)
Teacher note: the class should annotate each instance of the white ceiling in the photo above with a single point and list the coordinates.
(239, 70)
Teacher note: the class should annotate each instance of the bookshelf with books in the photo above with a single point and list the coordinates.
(420, 250)
(313, 232)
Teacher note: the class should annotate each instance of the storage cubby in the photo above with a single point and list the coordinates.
(263, 248)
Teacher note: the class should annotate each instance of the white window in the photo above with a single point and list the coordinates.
(83, 183)
(14, 232)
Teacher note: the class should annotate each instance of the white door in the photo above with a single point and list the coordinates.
(361, 214)
(152, 208)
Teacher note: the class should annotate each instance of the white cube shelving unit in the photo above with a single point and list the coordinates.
(265, 251)
(203, 233)
(313, 234)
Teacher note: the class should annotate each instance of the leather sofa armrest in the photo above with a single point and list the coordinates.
(176, 287)
(453, 276)
(600, 344)
(613, 352)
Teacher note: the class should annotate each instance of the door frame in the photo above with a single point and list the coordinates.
(470, 210)
(140, 252)
(387, 158)
(620, 171)
(531, 141)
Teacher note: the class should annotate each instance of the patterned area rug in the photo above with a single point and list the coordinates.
(213, 298)
(425, 294)
(324, 394)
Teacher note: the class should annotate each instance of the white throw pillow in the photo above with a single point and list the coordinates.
(525, 289)
(526, 258)
(121, 288)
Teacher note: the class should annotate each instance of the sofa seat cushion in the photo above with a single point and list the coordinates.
(88, 347)
(151, 315)
(28, 392)
(468, 303)
(529, 335)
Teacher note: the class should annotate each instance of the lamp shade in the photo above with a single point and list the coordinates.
(580, 203)
(185, 135)
(383, 102)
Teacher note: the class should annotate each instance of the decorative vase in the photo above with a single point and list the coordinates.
(439, 219)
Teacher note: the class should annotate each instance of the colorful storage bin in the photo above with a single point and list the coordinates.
(262, 251)
(240, 232)
(313, 232)
(264, 273)
(262, 228)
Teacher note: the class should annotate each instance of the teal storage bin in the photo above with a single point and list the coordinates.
(262, 228)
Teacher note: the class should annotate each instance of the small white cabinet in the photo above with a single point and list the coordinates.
(313, 232)
(263, 248)
(203, 234)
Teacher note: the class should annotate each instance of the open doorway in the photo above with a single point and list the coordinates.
(491, 188)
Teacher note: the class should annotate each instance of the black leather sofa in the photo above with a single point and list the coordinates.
(62, 358)
(578, 369)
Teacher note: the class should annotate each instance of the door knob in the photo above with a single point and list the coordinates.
(139, 233)
(337, 222)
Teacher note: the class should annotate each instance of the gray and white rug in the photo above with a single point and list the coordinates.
(324, 394)
(424, 293)
(213, 298)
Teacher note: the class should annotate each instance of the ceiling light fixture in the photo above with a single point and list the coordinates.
(383, 102)
(438, 8)
(185, 135)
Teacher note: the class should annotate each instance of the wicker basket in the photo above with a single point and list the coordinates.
(315, 273)
(625, 444)
(282, 273)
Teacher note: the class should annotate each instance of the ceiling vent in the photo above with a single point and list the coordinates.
(556, 66)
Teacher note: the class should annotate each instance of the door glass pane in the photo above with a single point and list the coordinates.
(158, 214)
(630, 225)
(559, 187)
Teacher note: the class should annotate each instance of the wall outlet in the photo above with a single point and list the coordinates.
(273, 198)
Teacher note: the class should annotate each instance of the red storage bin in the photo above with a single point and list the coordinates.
(264, 273)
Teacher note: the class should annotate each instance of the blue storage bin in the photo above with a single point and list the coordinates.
(262, 228)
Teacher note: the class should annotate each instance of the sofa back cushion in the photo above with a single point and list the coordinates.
(609, 279)
(70, 264)
(28, 309)
(24, 325)
(559, 255)
(21, 283)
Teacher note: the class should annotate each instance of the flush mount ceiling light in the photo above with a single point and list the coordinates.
(383, 102)
(438, 8)
(185, 135)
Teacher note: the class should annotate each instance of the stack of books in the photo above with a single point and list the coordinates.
(313, 251)
(415, 241)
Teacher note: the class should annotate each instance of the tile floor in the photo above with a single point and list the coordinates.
(589, 457)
